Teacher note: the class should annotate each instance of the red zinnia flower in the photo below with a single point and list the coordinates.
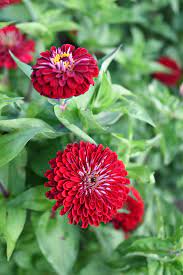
(4, 3)
(89, 182)
(12, 39)
(129, 221)
(169, 79)
(64, 72)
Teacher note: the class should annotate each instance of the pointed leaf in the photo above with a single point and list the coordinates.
(58, 241)
(23, 66)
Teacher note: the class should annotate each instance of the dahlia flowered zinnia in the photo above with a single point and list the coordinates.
(129, 221)
(64, 72)
(171, 78)
(12, 39)
(88, 182)
(4, 3)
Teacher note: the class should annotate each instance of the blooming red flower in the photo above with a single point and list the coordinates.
(135, 206)
(4, 3)
(89, 182)
(64, 72)
(171, 78)
(12, 39)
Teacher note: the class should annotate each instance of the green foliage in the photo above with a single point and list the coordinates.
(58, 241)
(12, 223)
(137, 117)
(32, 198)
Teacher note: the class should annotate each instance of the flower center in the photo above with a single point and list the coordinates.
(91, 181)
(63, 61)
(58, 57)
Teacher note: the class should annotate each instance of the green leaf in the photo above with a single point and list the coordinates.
(155, 267)
(174, 268)
(42, 154)
(5, 100)
(24, 123)
(14, 226)
(12, 175)
(33, 28)
(120, 90)
(149, 247)
(64, 25)
(169, 141)
(140, 173)
(58, 241)
(106, 60)
(11, 226)
(136, 111)
(89, 121)
(109, 238)
(104, 97)
(44, 129)
(26, 69)
(33, 198)
(97, 267)
(107, 118)
(73, 128)
(12, 143)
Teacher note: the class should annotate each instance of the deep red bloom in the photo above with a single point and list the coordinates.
(4, 3)
(129, 221)
(64, 72)
(12, 39)
(169, 79)
(89, 182)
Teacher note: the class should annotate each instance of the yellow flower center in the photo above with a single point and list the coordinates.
(64, 55)
(58, 57)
